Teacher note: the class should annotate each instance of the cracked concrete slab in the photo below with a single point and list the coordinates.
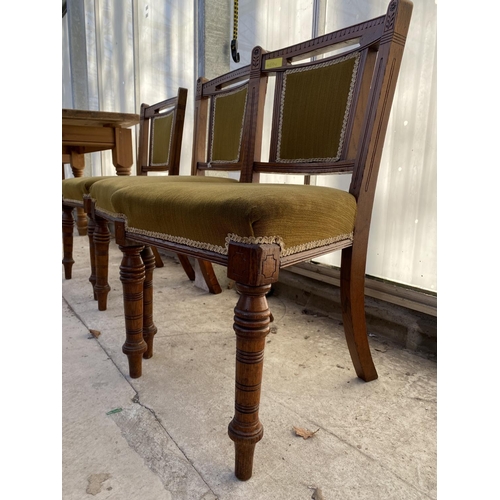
(169, 440)
(114, 448)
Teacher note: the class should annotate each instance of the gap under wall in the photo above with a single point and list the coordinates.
(395, 313)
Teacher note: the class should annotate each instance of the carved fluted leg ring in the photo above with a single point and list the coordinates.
(102, 237)
(148, 327)
(132, 276)
(67, 234)
(251, 324)
(90, 234)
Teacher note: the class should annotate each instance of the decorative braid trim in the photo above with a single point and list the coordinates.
(279, 241)
(69, 200)
(241, 130)
(177, 239)
(346, 114)
(113, 215)
(170, 140)
(237, 239)
(251, 240)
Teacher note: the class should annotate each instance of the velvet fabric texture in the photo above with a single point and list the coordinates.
(75, 189)
(161, 135)
(228, 126)
(208, 215)
(314, 111)
(102, 191)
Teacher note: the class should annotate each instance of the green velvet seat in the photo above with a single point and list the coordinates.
(295, 217)
(74, 189)
(77, 188)
(107, 187)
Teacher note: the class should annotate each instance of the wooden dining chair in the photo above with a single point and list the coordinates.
(219, 112)
(160, 141)
(333, 97)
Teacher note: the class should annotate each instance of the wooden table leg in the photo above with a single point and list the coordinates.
(123, 152)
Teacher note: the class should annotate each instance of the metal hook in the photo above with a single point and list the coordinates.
(234, 50)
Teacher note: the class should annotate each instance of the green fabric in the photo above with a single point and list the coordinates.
(161, 130)
(296, 215)
(228, 124)
(101, 192)
(314, 110)
(75, 188)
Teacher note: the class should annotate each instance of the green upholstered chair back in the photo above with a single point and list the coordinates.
(331, 101)
(160, 136)
(314, 110)
(227, 114)
(315, 107)
(161, 139)
(220, 113)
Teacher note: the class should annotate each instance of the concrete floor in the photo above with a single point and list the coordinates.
(164, 435)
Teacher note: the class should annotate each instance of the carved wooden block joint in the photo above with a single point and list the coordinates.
(253, 264)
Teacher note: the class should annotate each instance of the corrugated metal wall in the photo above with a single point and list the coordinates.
(141, 51)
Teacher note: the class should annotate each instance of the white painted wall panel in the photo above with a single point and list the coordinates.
(137, 51)
(403, 239)
(165, 58)
(67, 98)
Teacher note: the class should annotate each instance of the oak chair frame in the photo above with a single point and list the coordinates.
(100, 238)
(204, 116)
(140, 344)
(255, 267)
(98, 230)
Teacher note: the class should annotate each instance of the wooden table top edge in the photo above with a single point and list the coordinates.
(98, 118)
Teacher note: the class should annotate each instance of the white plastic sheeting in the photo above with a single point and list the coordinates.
(138, 51)
(141, 51)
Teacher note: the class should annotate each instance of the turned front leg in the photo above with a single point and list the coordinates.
(90, 234)
(253, 268)
(251, 325)
(102, 237)
(132, 276)
(148, 327)
(67, 235)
